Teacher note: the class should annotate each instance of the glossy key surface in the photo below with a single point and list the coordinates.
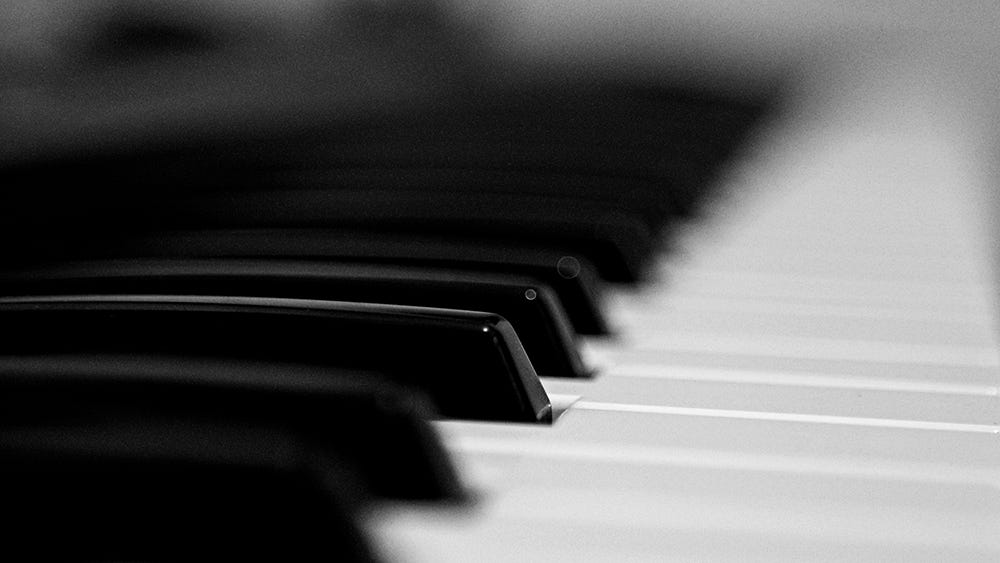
(572, 277)
(531, 307)
(471, 364)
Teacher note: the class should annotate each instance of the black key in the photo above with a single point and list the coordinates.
(616, 241)
(644, 150)
(649, 150)
(157, 458)
(471, 364)
(638, 197)
(531, 307)
(320, 408)
(572, 277)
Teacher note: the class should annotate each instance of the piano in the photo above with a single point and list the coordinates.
(810, 371)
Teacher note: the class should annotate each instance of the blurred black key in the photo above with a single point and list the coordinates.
(640, 198)
(531, 307)
(642, 149)
(617, 242)
(157, 458)
(110, 510)
(136, 397)
(471, 364)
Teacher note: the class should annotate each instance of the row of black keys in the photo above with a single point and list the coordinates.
(226, 351)
(162, 409)
(309, 382)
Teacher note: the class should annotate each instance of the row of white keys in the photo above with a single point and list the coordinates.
(815, 377)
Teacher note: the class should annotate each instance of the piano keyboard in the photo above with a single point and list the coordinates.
(812, 377)
(812, 374)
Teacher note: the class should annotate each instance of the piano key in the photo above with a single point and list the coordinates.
(775, 322)
(703, 506)
(156, 458)
(616, 241)
(529, 306)
(470, 364)
(806, 347)
(773, 391)
(863, 376)
(595, 429)
(779, 286)
(572, 277)
(644, 198)
(933, 374)
(663, 141)
(633, 305)
(213, 412)
(607, 142)
(111, 510)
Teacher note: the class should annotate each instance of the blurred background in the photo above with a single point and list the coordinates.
(51, 51)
